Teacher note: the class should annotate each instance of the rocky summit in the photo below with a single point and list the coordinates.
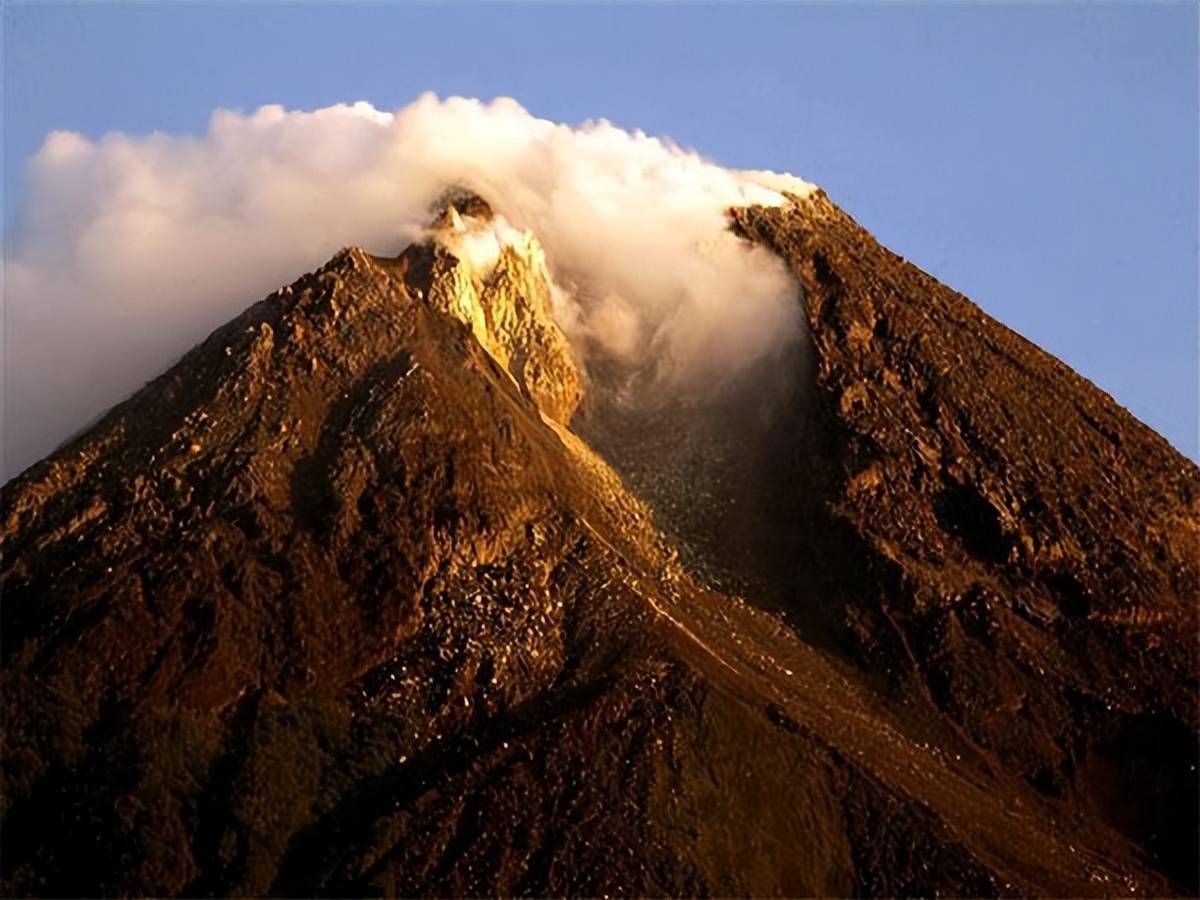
(378, 592)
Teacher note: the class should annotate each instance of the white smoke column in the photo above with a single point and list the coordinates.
(132, 249)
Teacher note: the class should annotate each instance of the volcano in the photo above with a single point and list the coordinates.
(378, 591)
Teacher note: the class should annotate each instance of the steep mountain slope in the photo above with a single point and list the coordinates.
(339, 605)
(990, 528)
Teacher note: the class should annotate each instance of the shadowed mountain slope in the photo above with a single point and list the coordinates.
(339, 605)
(990, 529)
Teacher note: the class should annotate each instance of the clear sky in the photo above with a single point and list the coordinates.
(1042, 158)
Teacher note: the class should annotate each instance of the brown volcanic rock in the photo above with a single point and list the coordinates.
(339, 606)
(992, 529)
(332, 537)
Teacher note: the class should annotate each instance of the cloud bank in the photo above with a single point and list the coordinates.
(132, 249)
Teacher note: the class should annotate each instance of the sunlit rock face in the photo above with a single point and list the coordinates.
(494, 279)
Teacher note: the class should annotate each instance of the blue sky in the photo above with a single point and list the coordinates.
(1042, 158)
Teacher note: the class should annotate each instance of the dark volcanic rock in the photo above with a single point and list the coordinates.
(339, 606)
(999, 534)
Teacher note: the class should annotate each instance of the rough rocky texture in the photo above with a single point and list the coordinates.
(998, 533)
(339, 606)
(506, 300)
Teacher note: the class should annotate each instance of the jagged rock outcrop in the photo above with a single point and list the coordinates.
(339, 605)
(494, 279)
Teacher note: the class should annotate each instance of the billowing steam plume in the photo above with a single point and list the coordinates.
(130, 250)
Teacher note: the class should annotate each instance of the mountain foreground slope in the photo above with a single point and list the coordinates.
(376, 592)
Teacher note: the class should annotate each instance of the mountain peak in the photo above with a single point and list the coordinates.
(494, 279)
(340, 605)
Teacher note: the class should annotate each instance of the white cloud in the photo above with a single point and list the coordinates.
(131, 249)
